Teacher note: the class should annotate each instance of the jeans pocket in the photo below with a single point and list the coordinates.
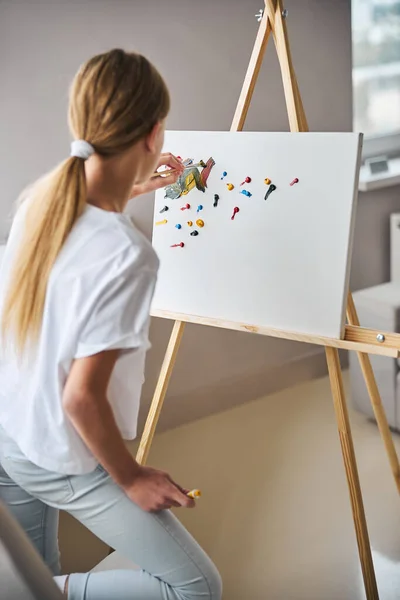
(52, 488)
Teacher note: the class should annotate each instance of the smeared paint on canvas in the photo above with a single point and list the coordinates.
(191, 178)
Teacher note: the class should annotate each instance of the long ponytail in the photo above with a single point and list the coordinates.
(55, 204)
(116, 99)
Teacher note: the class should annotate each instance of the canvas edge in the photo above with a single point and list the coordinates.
(350, 245)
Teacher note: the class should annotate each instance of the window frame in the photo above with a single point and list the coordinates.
(375, 144)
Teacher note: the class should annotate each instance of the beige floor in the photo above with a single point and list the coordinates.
(275, 514)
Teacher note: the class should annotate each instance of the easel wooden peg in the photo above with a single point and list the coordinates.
(355, 338)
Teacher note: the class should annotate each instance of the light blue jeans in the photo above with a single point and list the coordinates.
(172, 564)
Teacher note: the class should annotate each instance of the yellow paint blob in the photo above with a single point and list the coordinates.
(267, 181)
(230, 186)
(200, 223)
(194, 494)
(190, 223)
(164, 222)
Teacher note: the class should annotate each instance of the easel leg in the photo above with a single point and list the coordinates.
(161, 390)
(252, 74)
(346, 441)
(295, 110)
(375, 398)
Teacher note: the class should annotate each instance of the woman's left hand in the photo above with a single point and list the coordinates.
(154, 183)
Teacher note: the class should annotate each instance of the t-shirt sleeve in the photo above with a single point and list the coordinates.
(117, 317)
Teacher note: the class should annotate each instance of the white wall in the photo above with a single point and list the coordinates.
(202, 49)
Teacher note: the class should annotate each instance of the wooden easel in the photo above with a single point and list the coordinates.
(362, 341)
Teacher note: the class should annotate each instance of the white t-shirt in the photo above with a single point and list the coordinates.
(98, 298)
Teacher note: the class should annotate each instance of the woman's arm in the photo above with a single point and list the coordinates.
(86, 405)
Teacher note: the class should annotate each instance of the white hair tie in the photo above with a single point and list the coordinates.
(81, 149)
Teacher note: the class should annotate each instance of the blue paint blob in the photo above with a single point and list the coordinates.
(178, 226)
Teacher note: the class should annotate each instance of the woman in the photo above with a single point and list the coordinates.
(75, 290)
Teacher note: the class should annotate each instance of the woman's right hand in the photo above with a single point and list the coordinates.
(153, 490)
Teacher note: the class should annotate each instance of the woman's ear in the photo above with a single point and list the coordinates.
(154, 140)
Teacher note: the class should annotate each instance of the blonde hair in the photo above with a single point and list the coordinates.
(116, 99)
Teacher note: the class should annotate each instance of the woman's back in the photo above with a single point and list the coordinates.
(98, 298)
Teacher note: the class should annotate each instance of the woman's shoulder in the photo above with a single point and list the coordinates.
(135, 244)
(104, 241)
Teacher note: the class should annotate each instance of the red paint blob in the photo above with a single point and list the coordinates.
(247, 180)
(180, 245)
(294, 181)
(185, 207)
(235, 211)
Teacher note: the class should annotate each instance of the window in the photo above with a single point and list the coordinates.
(376, 69)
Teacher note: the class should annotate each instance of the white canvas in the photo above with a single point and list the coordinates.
(281, 263)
